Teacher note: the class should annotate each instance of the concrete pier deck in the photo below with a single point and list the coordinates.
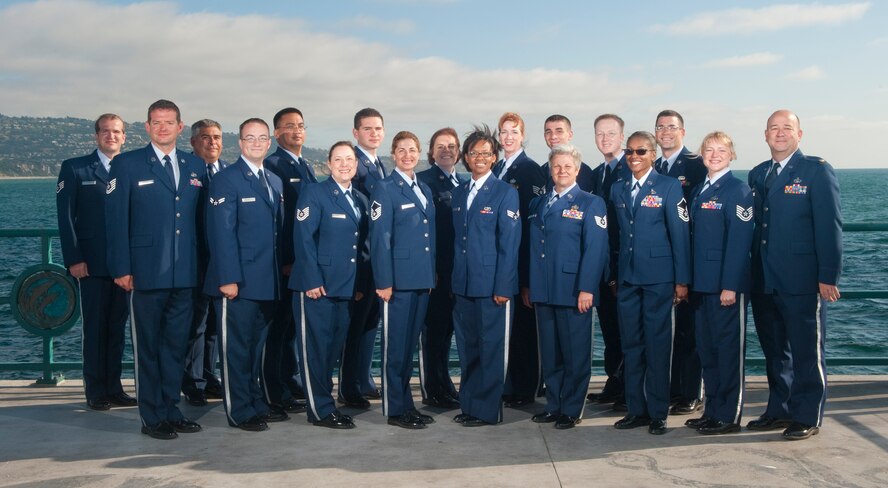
(48, 438)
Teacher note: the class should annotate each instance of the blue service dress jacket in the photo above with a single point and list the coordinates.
(721, 235)
(402, 235)
(366, 176)
(798, 226)
(654, 239)
(152, 226)
(244, 232)
(568, 247)
(527, 177)
(80, 202)
(329, 241)
(294, 176)
(689, 170)
(486, 239)
(442, 191)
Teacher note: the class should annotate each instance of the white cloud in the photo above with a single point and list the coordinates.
(396, 26)
(82, 58)
(754, 59)
(765, 19)
(807, 74)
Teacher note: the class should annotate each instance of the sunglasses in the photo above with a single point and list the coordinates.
(640, 152)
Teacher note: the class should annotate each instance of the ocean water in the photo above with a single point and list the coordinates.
(855, 328)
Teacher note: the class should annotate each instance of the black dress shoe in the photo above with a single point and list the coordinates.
(335, 421)
(686, 407)
(632, 421)
(121, 399)
(185, 426)
(518, 402)
(620, 405)
(407, 421)
(446, 402)
(717, 427)
(360, 403)
(98, 404)
(657, 427)
(253, 424)
(768, 423)
(347, 418)
(473, 422)
(545, 417)
(461, 417)
(214, 390)
(604, 397)
(293, 405)
(163, 431)
(373, 395)
(196, 398)
(426, 419)
(566, 422)
(798, 431)
(274, 414)
(697, 422)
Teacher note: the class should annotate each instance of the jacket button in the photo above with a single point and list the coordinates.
(427, 249)
(764, 242)
(426, 234)
(177, 198)
(356, 234)
(354, 246)
(352, 260)
(764, 226)
(178, 215)
(542, 255)
(425, 221)
(178, 231)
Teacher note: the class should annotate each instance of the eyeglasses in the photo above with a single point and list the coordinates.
(640, 152)
(294, 128)
(254, 139)
(476, 154)
(664, 128)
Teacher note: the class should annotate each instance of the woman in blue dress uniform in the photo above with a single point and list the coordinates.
(568, 253)
(721, 236)
(402, 250)
(329, 238)
(487, 227)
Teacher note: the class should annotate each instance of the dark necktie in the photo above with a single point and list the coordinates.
(351, 201)
(168, 166)
(772, 175)
(635, 189)
(379, 168)
(607, 172)
(265, 183)
(307, 169)
(419, 195)
(498, 169)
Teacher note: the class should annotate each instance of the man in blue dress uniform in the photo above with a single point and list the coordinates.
(355, 381)
(686, 386)
(654, 273)
(721, 237)
(569, 254)
(200, 380)
(402, 253)
(279, 371)
(80, 201)
(796, 263)
(436, 338)
(151, 218)
(557, 130)
(609, 140)
(487, 225)
(244, 231)
(329, 241)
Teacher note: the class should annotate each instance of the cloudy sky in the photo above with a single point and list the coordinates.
(429, 64)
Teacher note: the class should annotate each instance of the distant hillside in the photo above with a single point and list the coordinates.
(36, 146)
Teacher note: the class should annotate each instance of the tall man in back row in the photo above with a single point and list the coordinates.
(151, 220)
(796, 263)
(80, 201)
(686, 385)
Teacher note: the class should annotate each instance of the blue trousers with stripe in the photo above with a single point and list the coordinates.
(721, 344)
(566, 354)
(402, 319)
(104, 311)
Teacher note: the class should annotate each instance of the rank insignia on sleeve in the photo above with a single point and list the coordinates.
(572, 213)
(683, 210)
(512, 215)
(60, 186)
(539, 190)
(601, 221)
(112, 185)
(744, 214)
(375, 210)
(302, 214)
(217, 202)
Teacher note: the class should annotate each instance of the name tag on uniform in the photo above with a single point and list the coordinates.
(93, 182)
(248, 200)
(295, 180)
(146, 182)
(407, 205)
(338, 216)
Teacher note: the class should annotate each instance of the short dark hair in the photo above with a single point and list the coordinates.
(365, 113)
(251, 120)
(339, 144)
(446, 131)
(609, 116)
(646, 136)
(285, 111)
(670, 113)
(557, 118)
(109, 116)
(480, 133)
(164, 105)
(203, 124)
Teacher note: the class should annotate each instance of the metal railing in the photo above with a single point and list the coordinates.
(49, 367)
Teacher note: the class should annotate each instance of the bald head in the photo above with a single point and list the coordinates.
(783, 134)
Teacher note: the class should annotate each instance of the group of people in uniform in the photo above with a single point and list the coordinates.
(283, 278)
